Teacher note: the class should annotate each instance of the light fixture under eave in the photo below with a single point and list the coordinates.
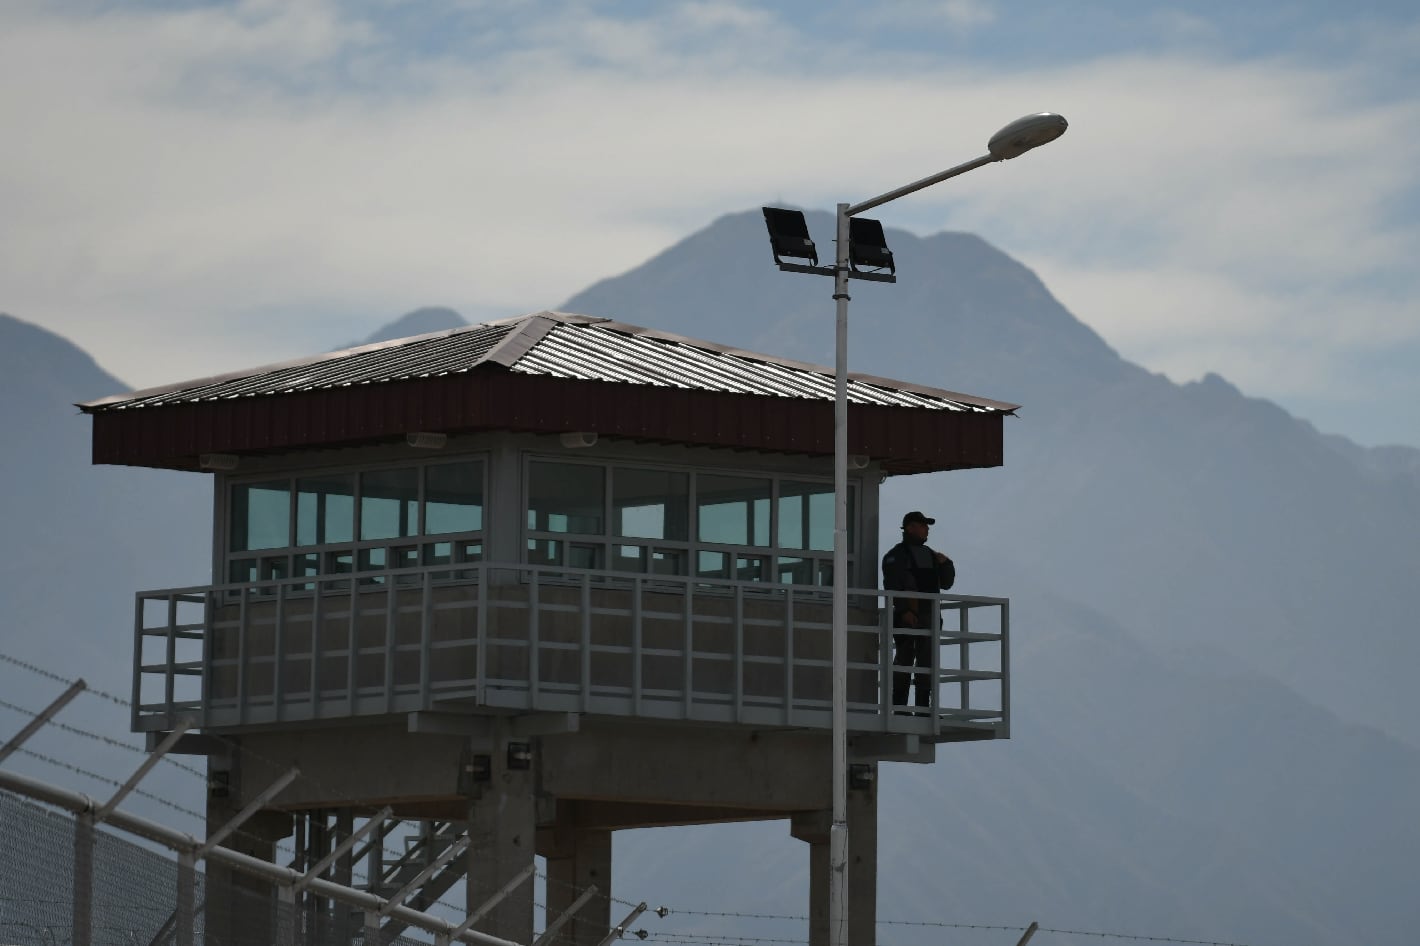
(217, 461)
(426, 440)
(578, 439)
(1026, 133)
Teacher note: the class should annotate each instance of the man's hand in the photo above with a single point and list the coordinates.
(909, 619)
(941, 559)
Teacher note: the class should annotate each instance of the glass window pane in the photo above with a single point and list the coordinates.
(668, 562)
(325, 509)
(567, 497)
(651, 504)
(389, 503)
(806, 515)
(628, 558)
(733, 509)
(544, 552)
(453, 498)
(712, 564)
(261, 516)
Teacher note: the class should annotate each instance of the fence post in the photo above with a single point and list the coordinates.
(186, 897)
(83, 888)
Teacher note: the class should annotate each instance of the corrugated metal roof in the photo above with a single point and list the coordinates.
(559, 345)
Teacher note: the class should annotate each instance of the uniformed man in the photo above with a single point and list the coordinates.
(911, 566)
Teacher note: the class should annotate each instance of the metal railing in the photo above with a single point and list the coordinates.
(536, 638)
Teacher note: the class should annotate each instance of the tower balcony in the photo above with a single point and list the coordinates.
(487, 638)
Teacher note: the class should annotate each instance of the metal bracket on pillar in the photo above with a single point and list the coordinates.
(241, 817)
(556, 925)
(144, 769)
(451, 852)
(44, 716)
(487, 906)
(343, 847)
(619, 930)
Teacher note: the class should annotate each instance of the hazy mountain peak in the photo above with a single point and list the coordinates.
(421, 321)
(33, 358)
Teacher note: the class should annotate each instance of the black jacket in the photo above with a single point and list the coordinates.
(912, 566)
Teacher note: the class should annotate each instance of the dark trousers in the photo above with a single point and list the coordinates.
(912, 650)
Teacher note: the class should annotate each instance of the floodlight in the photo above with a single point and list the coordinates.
(867, 246)
(789, 234)
(1026, 133)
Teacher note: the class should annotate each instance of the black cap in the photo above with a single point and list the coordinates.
(915, 516)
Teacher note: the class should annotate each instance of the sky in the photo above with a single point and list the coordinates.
(188, 188)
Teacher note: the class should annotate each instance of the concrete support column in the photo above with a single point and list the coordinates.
(812, 827)
(503, 835)
(239, 908)
(577, 858)
(863, 862)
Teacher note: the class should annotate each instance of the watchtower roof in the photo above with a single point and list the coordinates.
(544, 372)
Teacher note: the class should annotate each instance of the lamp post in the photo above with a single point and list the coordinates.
(789, 237)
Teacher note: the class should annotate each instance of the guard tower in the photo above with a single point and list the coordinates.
(533, 581)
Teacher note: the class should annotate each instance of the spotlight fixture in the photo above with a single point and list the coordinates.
(217, 461)
(867, 246)
(860, 775)
(789, 235)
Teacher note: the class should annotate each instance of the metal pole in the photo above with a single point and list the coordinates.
(42, 717)
(838, 830)
(906, 189)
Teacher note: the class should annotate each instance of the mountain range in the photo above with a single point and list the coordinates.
(1214, 731)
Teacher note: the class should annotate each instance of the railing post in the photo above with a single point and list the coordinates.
(789, 656)
(885, 662)
(209, 620)
(242, 655)
(739, 691)
(278, 650)
(352, 641)
(534, 639)
(426, 637)
(391, 635)
(316, 619)
(170, 683)
(637, 588)
(481, 633)
(688, 636)
(586, 646)
(1006, 668)
(964, 653)
(136, 708)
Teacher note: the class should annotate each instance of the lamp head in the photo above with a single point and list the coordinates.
(1026, 133)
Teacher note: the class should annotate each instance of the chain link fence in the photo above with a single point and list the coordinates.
(132, 896)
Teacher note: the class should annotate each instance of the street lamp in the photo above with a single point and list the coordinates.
(862, 253)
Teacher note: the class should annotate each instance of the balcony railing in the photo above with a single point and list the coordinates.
(490, 637)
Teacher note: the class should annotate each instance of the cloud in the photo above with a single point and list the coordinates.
(209, 172)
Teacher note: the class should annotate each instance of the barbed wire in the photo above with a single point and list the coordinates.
(60, 763)
(100, 737)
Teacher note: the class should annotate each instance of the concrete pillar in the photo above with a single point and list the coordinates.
(503, 835)
(577, 858)
(863, 862)
(812, 827)
(238, 907)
